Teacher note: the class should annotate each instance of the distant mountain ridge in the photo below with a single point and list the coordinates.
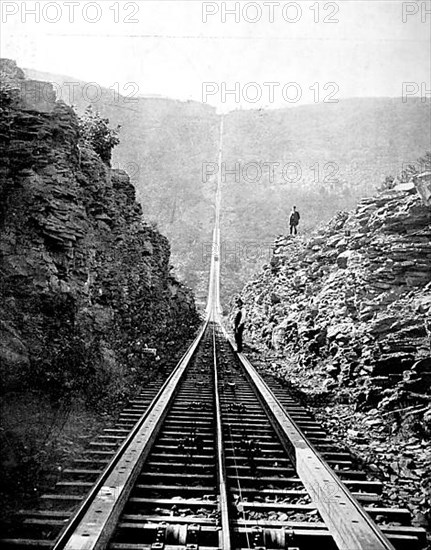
(338, 153)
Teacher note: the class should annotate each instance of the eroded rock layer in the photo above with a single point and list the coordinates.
(86, 285)
(354, 300)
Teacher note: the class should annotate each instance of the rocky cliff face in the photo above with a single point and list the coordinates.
(164, 145)
(86, 284)
(353, 302)
(168, 146)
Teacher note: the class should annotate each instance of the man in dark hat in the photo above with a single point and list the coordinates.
(239, 323)
(294, 221)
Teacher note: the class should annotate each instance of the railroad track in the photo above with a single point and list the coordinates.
(215, 457)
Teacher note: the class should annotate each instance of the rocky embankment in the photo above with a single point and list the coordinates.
(86, 284)
(355, 299)
(344, 317)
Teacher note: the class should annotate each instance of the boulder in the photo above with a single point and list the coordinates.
(422, 182)
(347, 259)
(279, 332)
(341, 331)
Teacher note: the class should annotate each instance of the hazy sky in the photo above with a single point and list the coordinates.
(341, 49)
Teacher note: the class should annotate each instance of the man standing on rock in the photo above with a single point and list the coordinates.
(294, 221)
(239, 323)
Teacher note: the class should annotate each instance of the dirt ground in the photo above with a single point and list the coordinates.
(38, 439)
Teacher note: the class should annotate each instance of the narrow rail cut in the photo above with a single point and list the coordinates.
(247, 451)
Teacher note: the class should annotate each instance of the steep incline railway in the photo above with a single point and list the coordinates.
(219, 459)
(215, 457)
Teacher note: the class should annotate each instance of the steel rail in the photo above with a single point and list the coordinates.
(93, 523)
(213, 307)
(221, 464)
(347, 522)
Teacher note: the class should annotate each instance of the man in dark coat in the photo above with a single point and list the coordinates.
(294, 221)
(239, 323)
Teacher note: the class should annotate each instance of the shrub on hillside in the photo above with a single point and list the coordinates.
(96, 133)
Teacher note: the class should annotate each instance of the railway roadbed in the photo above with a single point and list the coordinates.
(217, 457)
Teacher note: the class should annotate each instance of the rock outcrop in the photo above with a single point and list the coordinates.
(86, 284)
(170, 149)
(354, 300)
